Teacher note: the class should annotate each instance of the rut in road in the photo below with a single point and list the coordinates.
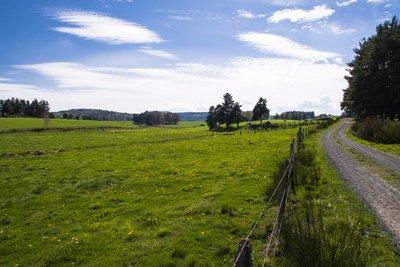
(383, 200)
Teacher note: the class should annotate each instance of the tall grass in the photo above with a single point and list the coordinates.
(310, 240)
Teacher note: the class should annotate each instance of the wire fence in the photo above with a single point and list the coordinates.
(243, 257)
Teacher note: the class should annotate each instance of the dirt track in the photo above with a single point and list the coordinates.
(383, 200)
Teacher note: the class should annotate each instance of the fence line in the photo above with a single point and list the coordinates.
(285, 183)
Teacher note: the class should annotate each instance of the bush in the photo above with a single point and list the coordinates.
(378, 131)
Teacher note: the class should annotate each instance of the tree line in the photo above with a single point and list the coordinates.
(156, 118)
(15, 107)
(230, 112)
(374, 75)
(295, 115)
(93, 114)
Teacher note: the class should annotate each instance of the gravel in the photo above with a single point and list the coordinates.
(382, 199)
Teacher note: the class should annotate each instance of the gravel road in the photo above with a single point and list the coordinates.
(383, 200)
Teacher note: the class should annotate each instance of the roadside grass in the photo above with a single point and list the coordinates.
(387, 148)
(179, 197)
(338, 221)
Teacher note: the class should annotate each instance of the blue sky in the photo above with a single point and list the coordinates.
(180, 55)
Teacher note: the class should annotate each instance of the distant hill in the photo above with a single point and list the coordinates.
(93, 114)
(193, 116)
(105, 115)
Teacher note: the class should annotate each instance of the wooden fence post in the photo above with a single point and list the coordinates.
(245, 259)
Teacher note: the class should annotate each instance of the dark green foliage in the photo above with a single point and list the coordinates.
(93, 114)
(379, 131)
(15, 107)
(374, 80)
(156, 118)
(295, 115)
(227, 113)
(260, 110)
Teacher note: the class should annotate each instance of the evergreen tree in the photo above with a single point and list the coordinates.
(374, 74)
(260, 110)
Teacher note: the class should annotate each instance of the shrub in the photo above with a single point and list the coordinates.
(376, 130)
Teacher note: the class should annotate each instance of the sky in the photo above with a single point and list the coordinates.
(183, 55)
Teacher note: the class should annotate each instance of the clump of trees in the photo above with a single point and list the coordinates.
(374, 75)
(228, 113)
(15, 107)
(156, 118)
(295, 115)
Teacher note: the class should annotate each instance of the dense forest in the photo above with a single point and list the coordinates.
(15, 107)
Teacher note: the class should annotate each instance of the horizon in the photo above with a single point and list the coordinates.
(182, 56)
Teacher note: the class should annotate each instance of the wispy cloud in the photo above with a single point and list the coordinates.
(248, 15)
(286, 2)
(158, 53)
(183, 18)
(377, 2)
(336, 29)
(300, 15)
(346, 3)
(98, 27)
(282, 46)
(189, 86)
(2, 79)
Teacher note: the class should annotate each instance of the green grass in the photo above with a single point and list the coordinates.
(387, 148)
(180, 197)
(35, 123)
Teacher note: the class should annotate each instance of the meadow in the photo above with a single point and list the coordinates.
(145, 196)
(155, 197)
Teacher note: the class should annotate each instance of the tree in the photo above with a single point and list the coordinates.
(236, 114)
(260, 110)
(374, 74)
(211, 118)
(228, 112)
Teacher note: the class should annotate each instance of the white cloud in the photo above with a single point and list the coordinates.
(282, 46)
(300, 15)
(245, 14)
(285, 2)
(376, 1)
(248, 15)
(158, 53)
(183, 18)
(336, 29)
(102, 28)
(183, 87)
(346, 3)
(2, 79)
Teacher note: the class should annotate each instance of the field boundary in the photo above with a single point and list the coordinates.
(244, 254)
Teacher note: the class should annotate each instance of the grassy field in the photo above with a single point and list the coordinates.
(119, 198)
(147, 197)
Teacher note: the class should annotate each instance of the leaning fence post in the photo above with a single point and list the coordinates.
(243, 257)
